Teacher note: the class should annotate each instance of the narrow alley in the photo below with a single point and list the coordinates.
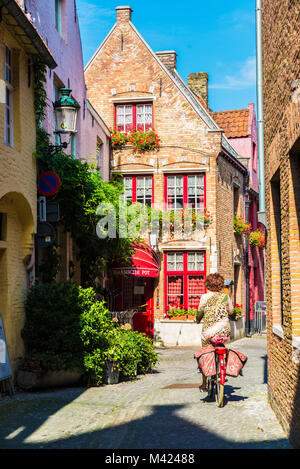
(161, 410)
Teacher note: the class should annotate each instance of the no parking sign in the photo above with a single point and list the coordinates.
(49, 183)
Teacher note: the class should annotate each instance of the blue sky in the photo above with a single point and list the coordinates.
(217, 37)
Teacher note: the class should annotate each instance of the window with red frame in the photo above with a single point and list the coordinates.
(134, 116)
(138, 189)
(184, 279)
(183, 190)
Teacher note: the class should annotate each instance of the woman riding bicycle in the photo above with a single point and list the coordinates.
(214, 306)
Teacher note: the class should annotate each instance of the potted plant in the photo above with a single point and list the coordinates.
(191, 314)
(257, 238)
(237, 312)
(240, 225)
(111, 370)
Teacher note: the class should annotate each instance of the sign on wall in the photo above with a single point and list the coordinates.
(5, 367)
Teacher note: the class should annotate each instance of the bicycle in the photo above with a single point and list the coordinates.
(215, 383)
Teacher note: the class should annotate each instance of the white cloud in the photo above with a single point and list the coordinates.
(90, 13)
(244, 77)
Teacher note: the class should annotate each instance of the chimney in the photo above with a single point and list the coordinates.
(168, 58)
(198, 83)
(124, 14)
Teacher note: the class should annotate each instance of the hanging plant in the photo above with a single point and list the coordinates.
(257, 238)
(240, 225)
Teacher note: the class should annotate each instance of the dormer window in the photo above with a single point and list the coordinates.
(134, 116)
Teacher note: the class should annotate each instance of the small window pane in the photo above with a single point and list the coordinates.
(195, 290)
(175, 292)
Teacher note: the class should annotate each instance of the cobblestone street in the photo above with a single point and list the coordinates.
(150, 412)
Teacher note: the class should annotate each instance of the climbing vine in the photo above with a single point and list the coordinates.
(82, 190)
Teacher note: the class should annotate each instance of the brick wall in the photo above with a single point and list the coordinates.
(281, 41)
(125, 68)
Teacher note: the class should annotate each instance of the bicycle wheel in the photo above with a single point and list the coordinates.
(219, 388)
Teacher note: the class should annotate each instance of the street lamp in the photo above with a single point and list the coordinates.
(65, 111)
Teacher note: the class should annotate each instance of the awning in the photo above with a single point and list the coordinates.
(143, 263)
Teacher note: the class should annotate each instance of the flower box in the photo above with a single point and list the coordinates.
(141, 140)
(240, 225)
(257, 238)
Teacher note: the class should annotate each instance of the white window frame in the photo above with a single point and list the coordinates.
(176, 196)
(199, 192)
(143, 190)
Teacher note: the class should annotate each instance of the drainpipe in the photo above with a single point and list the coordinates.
(260, 118)
(261, 215)
(247, 268)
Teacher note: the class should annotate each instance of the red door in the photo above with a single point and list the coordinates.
(144, 321)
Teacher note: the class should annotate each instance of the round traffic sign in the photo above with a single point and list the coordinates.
(49, 183)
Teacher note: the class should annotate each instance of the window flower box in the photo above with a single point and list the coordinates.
(237, 312)
(181, 314)
(141, 140)
(257, 238)
(240, 225)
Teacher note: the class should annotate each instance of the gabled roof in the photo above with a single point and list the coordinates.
(24, 30)
(194, 100)
(235, 123)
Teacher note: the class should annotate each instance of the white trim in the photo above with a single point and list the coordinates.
(296, 342)
(278, 330)
(133, 171)
(185, 169)
(182, 248)
(133, 99)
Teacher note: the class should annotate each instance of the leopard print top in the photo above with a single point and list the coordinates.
(215, 309)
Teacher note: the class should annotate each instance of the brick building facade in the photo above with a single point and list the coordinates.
(281, 73)
(129, 84)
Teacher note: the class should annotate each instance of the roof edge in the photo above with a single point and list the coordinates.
(16, 11)
(99, 48)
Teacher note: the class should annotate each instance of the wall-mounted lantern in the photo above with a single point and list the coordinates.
(65, 111)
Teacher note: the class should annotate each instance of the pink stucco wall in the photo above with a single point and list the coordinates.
(66, 49)
(247, 147)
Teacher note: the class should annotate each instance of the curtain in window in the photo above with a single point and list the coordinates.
(175, 291)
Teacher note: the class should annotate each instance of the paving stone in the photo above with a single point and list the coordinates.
(143, 414)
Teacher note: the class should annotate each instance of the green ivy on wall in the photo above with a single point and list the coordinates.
(82, 190)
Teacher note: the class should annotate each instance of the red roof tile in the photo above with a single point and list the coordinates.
(235, 123)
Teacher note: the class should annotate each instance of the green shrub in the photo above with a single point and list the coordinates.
(96, 330)
(52, 329)
(67, 328)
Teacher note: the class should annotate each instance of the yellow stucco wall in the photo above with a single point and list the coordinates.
(17, 195)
